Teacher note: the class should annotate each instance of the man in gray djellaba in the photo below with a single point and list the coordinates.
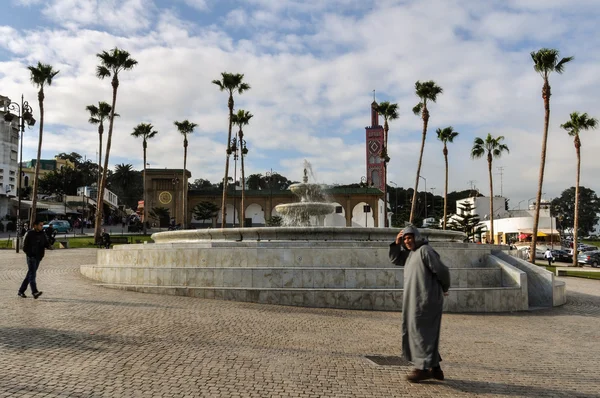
(426, 282)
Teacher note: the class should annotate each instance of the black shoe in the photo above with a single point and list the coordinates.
(36, 295)
(437, 373)
(418, 375)
(22, 295)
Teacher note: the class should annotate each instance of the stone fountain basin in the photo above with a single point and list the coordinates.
(323, 234)
(307, 208)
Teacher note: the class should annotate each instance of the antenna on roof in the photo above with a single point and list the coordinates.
(374, 96)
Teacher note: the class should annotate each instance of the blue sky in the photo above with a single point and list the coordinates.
(312, 65)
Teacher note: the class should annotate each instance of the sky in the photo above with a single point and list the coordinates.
(312, 66)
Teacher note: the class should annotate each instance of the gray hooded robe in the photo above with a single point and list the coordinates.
(426, 279)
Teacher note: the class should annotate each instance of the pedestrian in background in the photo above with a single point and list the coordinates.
(34, 246)
(548, 256)
(426, 282)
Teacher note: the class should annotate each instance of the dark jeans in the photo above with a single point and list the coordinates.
(32, 267)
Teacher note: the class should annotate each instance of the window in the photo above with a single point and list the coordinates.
(13, 156)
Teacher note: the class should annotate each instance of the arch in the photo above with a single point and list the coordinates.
(360, 218)
(26, 183)
(256, 213)
(336, 219)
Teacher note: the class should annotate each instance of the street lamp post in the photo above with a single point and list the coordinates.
(269, 175)
(174, 181)
(395, 199)
(24, 115)
(425, 179)
(234, 149)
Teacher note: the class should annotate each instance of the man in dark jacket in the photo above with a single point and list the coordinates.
(426, 282)
(34, 246)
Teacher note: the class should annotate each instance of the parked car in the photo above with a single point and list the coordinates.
(589, 258)
(562, 255)
(59, 225)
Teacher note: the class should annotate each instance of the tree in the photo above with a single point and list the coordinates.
(563, 208)
(186, 127)
(205, 211)
(40, 75)
(576, 124)
(545, 61)
(256, 182)
(112, 63)
(446, 135)
(493, 147)
(465, 220)
(145, 131)
(426, 91)
(389, 112)
(229, 82)
(98, 114)
(126, 183)
(241, 119)
(200, 184)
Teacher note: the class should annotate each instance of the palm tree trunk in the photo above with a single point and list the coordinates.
(144, 211)
(224, 202)
(100, 132)
(491, 199)
(445, 186)
(100, 201)
(37, 163)
(536, 219)
(243, 210)
(414, 200)
(576, 215)
(184, 196)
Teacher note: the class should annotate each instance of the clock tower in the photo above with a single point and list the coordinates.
(374, 137)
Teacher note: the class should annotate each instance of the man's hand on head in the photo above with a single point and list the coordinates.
(399, 237)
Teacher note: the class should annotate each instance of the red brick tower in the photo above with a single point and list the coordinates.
(374, 136)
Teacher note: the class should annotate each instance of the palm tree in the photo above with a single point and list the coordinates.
(494, 148)
(112, 63)
(426, 91)
(41, 74)
(146, 131)
(576, 124)
(98, 114)
(186, 127)
(229, 82)
(389, 112)
(446, 135)
(545, 61)
(241, 119)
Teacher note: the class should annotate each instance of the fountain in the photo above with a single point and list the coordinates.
(312, 204)
(310, 265)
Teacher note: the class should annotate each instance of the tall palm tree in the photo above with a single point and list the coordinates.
(576, 124)
(241, 119)
(494, 148)
(229, 82)
(98, 114)
(145, 131)
(186, 127)
(41, 75)
(426, 91)
(389, 112)
(545, 61)
(446, 135)
(112, 63)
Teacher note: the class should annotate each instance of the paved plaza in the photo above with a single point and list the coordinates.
(81, 340)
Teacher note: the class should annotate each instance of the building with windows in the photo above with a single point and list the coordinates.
(9, 165)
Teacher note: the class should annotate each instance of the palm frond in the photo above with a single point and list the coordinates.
(418, 108)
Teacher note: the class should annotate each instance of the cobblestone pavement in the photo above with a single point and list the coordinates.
(81, 340)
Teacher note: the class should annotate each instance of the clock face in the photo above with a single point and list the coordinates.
(165, 197)
(374, 147)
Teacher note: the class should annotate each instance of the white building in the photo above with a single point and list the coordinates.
(9, 166)
(513, 225)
